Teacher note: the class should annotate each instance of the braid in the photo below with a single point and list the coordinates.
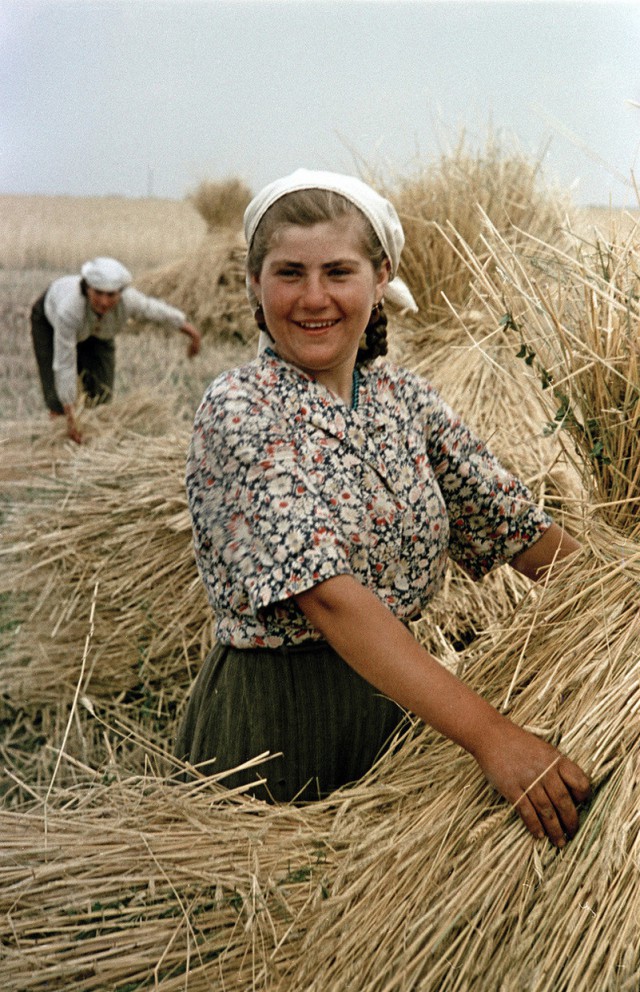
(375, 336)
(258, 316)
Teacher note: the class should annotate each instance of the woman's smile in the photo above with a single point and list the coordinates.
(317, 325)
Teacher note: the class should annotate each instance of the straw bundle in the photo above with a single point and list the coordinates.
(478, 374)
(470, 902)
(209, 286)
(414, 879)
(460, 189)
(576, 320)
(174, 891)
(453, 342)
(221, 204)
(36, 446)
(114, 525)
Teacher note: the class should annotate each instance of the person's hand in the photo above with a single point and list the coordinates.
(73, 430)
(195, 339)
(74, 433)
(542, 784)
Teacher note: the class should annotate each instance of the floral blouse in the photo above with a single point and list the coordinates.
(288, 486)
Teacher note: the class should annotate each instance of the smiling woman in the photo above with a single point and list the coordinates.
(327, 491)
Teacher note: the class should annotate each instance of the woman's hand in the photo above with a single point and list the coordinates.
(542, 784)
(195, 339)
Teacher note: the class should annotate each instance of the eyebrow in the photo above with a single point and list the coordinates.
(335, 263)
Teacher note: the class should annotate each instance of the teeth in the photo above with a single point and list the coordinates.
(316, 325)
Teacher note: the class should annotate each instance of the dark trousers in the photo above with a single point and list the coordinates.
(96, 361)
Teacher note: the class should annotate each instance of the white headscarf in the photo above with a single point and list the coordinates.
(107, 275)
(380, 213)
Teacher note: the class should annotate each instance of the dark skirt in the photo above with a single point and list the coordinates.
(329, 724)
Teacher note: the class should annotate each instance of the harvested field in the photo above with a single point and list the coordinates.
(419, 878)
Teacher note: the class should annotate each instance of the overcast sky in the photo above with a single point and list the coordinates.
(138, 97)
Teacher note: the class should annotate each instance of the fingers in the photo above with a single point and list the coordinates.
(195, 339)
(541, 820)
(74, 433)
(548, 807)
(575, 779)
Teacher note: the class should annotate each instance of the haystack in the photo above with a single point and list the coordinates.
(575, 319)
(101, 547)
(459, 191)
(209, 283)
(209, 286)
(447, 210)
(35, 448)
(467, 352)
(417, 878)
(114, 520)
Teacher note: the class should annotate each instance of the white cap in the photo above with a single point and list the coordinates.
(380, 213)
(107, 275)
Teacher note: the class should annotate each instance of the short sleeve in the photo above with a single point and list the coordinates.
(262, 531)
(492, 514)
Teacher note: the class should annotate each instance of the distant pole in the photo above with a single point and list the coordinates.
(149, 182)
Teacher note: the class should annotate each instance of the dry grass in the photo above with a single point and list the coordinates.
(209, 285)
(413, 879)
(115, 519)
(461, 189)
(574, 318)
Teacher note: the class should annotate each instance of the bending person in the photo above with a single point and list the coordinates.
(327, 490)
(73, 326)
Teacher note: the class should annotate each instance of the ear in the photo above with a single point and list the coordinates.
(382, 279)
(254, 282)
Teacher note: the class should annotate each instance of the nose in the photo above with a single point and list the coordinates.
(314, 296)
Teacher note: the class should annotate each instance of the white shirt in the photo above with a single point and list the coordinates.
(73, 320)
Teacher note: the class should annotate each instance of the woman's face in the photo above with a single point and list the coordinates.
(317, 289)
(101, 302)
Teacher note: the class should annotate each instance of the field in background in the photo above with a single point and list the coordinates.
(61, 232)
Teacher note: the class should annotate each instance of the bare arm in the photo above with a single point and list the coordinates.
(370, 639)
(554, 545)
(194, 338)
